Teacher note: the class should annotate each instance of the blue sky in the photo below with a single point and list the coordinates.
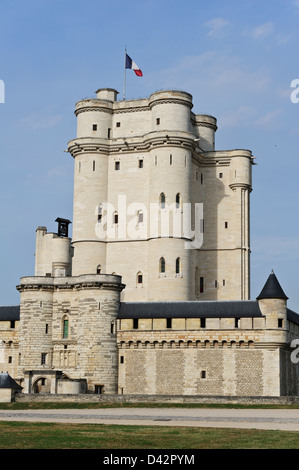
(237, 59)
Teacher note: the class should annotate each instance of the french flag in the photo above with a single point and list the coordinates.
(130, 64)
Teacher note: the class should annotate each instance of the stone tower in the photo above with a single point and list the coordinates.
(155, 202)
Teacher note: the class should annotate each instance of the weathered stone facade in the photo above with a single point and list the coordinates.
(130, 304)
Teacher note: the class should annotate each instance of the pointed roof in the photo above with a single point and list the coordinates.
(272, 289)
(6, 381)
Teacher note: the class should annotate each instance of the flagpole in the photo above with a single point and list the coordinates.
(124, 97)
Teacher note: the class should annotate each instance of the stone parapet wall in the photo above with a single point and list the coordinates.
(156, 399)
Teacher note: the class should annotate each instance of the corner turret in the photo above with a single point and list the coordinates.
(273, 304)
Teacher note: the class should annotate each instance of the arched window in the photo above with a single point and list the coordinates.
(162, 265)
(99, 267)
(162, 201)
(140, 217)
(115, 218)
(178, 201)
(65, 327)
(178, 265)
(139, 278)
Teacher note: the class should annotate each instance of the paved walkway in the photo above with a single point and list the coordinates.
(280, 419)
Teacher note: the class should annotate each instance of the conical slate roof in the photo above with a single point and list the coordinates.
(272, 289)
(6, 381)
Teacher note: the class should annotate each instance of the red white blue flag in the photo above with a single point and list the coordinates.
(130, 64)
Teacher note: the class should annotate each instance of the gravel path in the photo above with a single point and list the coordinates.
(279, 419)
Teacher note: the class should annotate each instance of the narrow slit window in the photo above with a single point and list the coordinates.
(162, 265)
(100, 214)
(158, 121)
(168, 322)
(140, 217)
(117, 165)
(140, 163)
(201, 285)
(65, 328)
(202, 323)
(135, 323)
(93, 165)
(162, 200)
(178, 266)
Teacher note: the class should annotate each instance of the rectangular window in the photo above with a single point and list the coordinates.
(43, 358)
(112, 328)
(216, 284)
(201, 285)
(94, 127)
(140, 163)
(168, 322)
(118, 124)
(201, 178)
(47, 328)
(202, 323)
(225, 224)
(12, 324)
(135, 323)
(121, 359)
(170, 159)
(280, 322)
(203, 374)
(139, 278)
(220, 175)
(9, 359)
(117, 165)
(237, 322)
(158, 121)
(109, 133)
(93, 166)
(65, 328)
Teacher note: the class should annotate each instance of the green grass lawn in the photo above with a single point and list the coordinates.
(20, 435)
(24, 435)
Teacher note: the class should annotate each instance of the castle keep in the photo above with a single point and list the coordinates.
(151, 294)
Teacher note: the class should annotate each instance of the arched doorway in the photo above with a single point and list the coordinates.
(41, 385)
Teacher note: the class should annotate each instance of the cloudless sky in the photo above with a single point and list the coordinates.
(237, 59)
